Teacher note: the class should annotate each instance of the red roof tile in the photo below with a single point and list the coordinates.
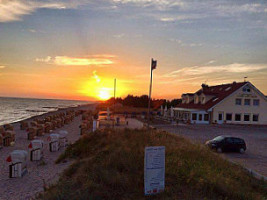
(219, 92)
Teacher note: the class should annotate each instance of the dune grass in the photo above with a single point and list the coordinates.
(109, 164)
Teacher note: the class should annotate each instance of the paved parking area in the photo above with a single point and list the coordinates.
(254, 158)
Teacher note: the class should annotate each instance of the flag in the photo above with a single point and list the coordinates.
(153, 64)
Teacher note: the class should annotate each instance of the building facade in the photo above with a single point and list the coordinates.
(235, 103)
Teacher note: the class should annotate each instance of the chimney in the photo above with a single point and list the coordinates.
(204, 86)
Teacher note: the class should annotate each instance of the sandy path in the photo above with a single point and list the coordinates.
(32, 183)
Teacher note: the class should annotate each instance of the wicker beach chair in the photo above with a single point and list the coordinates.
(24, 125)
(33, 124)
(9, 127)
(2, 130)
(12, 134)
(32, 133)
(47, 127)
(6, 139)
(40, 130)
(1, 141)
(83, 129)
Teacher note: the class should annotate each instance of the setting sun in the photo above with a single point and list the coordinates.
(104, 94)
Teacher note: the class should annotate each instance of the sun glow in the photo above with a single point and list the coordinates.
(104, 94)
(101, 87)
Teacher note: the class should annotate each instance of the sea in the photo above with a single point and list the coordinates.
(17, 109)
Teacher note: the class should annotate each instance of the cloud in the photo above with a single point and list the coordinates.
(2, 67)
(204, 70)
(161, 10)
(183, 44)
(13, 10)
(47, 59)
(76, 61)
(64, 60)
(211, 62)
(119, 35)
(188, 11)
(32, 30)
(160, 4)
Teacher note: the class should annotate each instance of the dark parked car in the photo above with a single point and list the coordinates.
(227, 144)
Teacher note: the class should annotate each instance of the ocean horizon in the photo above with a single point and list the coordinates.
(14, 109)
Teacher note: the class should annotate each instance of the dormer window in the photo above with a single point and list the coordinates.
(187, 99)
(196, 99)
(183, 99)
(203, 100)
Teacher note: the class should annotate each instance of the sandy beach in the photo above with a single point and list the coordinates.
(39, 174)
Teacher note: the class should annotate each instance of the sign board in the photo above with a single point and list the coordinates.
(95, 125)
(154, 177)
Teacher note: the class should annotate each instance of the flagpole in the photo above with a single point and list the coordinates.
(150, 90)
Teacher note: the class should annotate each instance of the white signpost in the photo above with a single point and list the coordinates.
(154, 177)
(95, 125)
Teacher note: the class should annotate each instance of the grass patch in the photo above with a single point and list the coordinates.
(110, 165)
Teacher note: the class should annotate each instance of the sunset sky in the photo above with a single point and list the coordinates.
(74, 49)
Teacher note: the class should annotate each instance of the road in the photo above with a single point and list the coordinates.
(254, 158)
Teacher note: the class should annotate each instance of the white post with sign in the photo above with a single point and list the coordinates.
(95, 125)
(154, 176)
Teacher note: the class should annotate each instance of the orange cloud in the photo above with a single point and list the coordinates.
(64, 60)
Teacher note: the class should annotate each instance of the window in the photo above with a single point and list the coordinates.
(215, 99)
(200, 117)
(238, 117)
(247, 102)
(246, 117)
(206, 117)
(203, 100)
(255, 118)
(229, 141)
(246, 89)
(238, 141)
(256, 102)
(220, 116)
(238, 101)
(196, 99)
(194, 116)
(228, 116)
(227, 88)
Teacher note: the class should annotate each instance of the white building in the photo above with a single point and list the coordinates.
(235, 103)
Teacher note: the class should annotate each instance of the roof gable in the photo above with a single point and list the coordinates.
(220, 92)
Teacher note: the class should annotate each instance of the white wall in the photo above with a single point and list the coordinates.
(228, 105)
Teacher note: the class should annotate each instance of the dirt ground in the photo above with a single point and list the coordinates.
(254, 158)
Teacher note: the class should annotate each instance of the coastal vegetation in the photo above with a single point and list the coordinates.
(142, 101)
(109, 164)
